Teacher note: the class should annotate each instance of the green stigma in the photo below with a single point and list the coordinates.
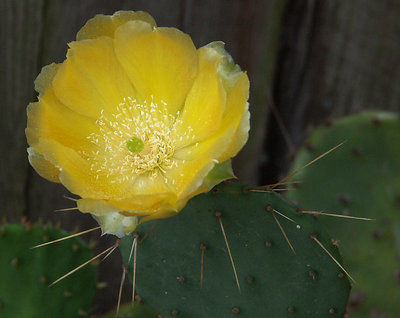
(135, 145)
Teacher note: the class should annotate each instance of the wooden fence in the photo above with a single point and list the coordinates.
(309, 61)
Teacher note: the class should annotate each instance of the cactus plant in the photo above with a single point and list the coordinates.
(136, 311)
(26, 274)
(184, 268)
(360, 178)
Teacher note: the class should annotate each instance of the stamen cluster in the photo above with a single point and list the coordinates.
(147, 121)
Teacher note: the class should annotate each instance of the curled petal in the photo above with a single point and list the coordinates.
(45, 79)
(105, 25)
(42, 166)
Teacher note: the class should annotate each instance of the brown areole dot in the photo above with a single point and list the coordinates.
(180, 279)
(312, 274)
(249, 279)
(235, 310)
(268, 243)
(335, 242)
(15, 262)
(67, 293)
(174, 312)
(138, 299)
(357, 152)
(377, 234)
(344, 198)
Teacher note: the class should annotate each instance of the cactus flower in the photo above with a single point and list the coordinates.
(136, 120)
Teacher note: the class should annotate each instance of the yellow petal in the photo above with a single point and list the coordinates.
(134, 206)
(50, 119)
(77, 174)
(196, 162)
(44, 80)
(91, 81)
(161, 63)
(97, 207)
(150, 194)
(227, 69)
(239, 139)
(43, 167)
(146, 204)
(237, 114)
(205, 104)
(105, 25)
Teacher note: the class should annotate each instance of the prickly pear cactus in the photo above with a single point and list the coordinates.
(136, 311)
(361, 178)
(26, 274)
(184, 268)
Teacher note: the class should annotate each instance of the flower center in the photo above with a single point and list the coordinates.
(134, 140)
(135, 145)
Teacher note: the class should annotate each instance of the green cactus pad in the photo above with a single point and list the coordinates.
(26, 274)
(361, 178)
(136, 311)
(274, 282)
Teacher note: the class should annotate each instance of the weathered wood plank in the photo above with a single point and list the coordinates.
(20, 35)
(259, 47)
(336, 57)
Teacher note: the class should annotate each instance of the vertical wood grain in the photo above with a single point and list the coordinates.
(20, 35)
(336, 58)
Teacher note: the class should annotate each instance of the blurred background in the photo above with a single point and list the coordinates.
(309, 62)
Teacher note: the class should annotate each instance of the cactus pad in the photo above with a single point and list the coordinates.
(361, 178)
(26, 274)
(273, 281)
(136, 311)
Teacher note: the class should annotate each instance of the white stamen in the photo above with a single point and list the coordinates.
(147, 121)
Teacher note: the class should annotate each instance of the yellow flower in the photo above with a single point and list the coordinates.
(136, 121)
